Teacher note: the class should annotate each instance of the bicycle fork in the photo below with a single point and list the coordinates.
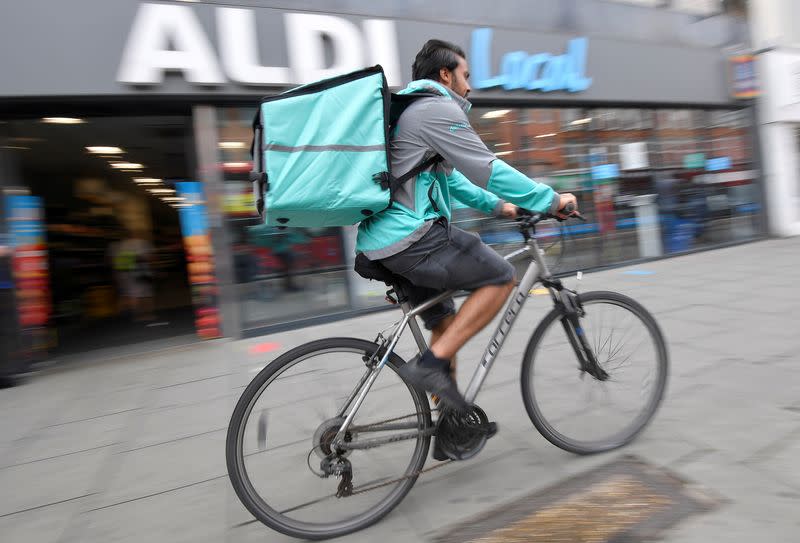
(572, 310)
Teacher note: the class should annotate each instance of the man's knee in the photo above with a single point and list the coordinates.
(506, 285)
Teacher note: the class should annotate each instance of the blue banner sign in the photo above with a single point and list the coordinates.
(521, 70)
(605, 171)
(717, 164)
(194, 216)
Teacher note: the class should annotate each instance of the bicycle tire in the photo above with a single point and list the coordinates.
(234, 457)
(536, 415)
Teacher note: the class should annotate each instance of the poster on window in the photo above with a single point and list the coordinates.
(29, 265)
(200, 257)
(743, 77)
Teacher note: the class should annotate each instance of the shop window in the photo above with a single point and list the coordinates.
(281, 275)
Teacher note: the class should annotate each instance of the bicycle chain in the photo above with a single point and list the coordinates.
(393, 481)
(354, 492)
(418, 413)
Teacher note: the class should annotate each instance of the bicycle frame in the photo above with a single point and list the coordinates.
(536, 271)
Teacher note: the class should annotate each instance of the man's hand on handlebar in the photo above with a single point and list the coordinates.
(568, 206)
(509, 211)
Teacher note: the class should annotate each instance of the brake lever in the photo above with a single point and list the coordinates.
(578, 216)
(571, 211)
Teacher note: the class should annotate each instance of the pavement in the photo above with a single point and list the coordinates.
(130, 447)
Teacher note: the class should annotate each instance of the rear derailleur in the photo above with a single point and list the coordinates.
(341, 468)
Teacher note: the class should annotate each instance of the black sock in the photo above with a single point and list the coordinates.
(429, 360)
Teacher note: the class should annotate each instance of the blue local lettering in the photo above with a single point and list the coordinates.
(520, 70)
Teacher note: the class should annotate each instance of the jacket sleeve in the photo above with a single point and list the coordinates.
(470, 194)
(444, 127)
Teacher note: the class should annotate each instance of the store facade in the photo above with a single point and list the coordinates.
(641, 126)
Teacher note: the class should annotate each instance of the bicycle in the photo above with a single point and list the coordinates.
(329, 448)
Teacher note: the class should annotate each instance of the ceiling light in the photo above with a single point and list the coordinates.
(127, 165)
(237, 164)
(161, 191)
(62, 120)
(180, 205)
(146, 180)
(173, 199)
(501, 144)
(495, 114)
(15, 147)
(101, 150)
(231, 145)
(503, 153)
(581, 121)
(550, 135)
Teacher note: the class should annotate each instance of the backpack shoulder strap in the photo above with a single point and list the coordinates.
(397, 182)
(399, 103)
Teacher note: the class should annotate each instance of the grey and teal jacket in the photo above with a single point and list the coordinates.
(470, 173)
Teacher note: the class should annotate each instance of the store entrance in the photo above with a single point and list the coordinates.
(117, 266)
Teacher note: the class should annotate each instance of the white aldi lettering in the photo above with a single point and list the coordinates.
(147, 55)
(170, 38)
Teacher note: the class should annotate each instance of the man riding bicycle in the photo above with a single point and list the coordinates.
(414, 239)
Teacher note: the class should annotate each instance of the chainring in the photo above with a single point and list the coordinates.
(462, 435)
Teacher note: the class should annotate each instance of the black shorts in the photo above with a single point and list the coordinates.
(447, 258)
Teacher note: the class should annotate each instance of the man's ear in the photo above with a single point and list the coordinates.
(445, 76)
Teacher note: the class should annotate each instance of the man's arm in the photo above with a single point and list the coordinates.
(446, 129)
(470, 194)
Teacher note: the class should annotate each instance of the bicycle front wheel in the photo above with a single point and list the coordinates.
(575, 410)
(282, 430)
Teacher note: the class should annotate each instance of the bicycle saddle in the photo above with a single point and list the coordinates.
(373, 269)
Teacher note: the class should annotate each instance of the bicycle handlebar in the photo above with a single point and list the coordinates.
(530, 218)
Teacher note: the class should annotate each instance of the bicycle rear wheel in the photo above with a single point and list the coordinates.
(281, 431)
(577, 411)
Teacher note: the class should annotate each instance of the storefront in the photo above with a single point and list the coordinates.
(639, 124)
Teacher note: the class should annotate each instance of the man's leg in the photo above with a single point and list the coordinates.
(477, 311)
(438, 332)
(451, 259)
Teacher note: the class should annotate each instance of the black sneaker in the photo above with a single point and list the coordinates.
(434, 380)
(438, 453)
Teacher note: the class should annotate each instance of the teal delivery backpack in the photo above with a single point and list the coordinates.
(321, 151)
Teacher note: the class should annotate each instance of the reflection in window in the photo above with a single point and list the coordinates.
(571, 119)
(677, 143)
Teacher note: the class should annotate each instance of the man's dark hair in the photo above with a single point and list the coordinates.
(435, 55)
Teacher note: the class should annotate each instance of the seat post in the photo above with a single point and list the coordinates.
(413, 324)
